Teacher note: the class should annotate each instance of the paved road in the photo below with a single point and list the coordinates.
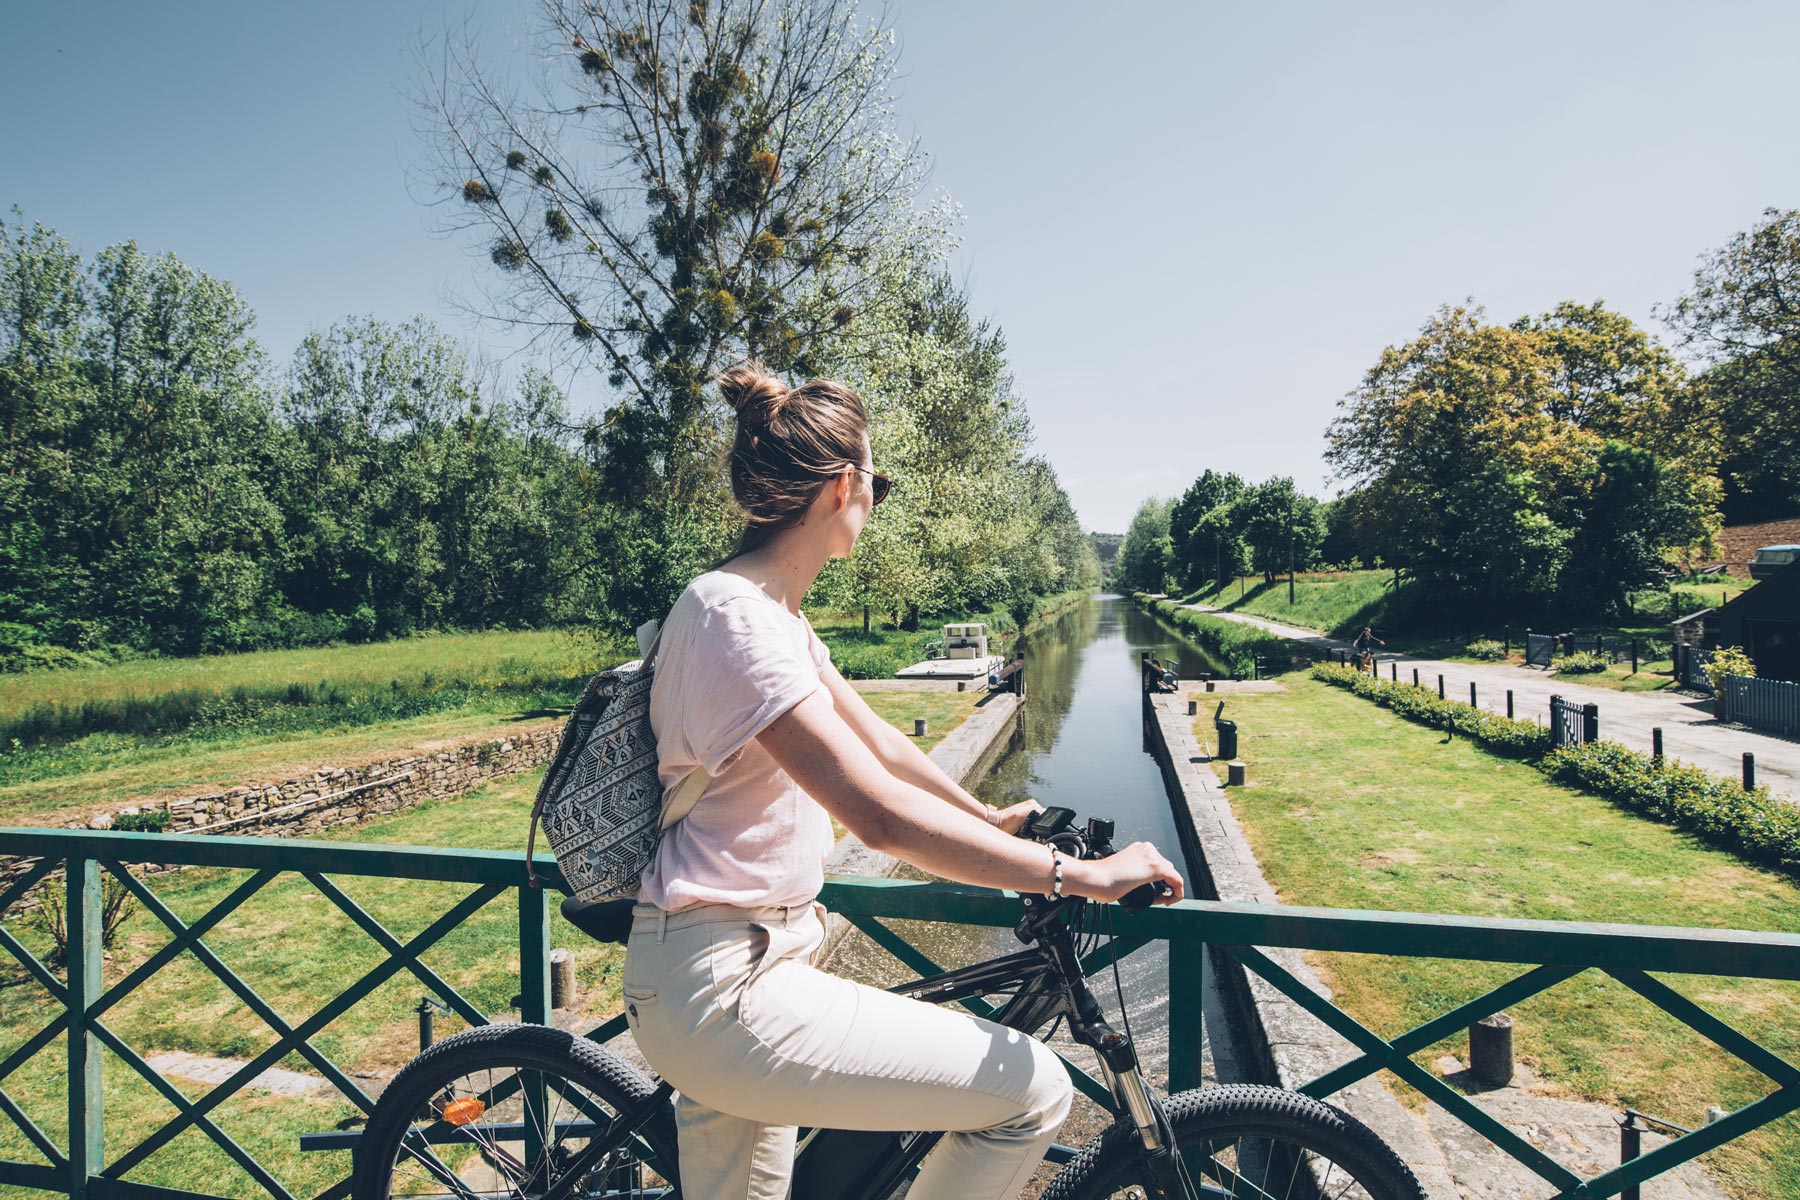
(1690, 731)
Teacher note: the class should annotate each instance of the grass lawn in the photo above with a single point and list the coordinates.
(1354, 807)
(1338, 602)
(297, 949)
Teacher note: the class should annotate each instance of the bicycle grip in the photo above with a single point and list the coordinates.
(1142, 897)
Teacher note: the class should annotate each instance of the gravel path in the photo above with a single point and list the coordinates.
(1690, 731)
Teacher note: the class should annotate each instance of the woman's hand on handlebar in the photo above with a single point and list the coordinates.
(1012, 818)
(1112, 877)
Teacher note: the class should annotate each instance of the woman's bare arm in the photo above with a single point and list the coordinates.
(831, 763)
(893, 749)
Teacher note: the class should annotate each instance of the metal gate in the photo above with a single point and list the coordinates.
(1690, 668)
(1539, 649)
(1573, 724)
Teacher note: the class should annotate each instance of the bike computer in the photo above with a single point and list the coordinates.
(1048, 823)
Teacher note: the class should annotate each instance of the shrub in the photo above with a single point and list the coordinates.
(117, 904)
(1726, 661)
(1485, 649)
(1754, 825)
(149, 820)
(1583, 662)
(1518, 739)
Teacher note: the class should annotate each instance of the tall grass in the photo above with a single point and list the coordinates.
(298, 691)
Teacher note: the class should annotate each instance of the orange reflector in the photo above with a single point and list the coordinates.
(461, 1112)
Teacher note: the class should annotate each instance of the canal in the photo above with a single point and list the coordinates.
(1081, 745)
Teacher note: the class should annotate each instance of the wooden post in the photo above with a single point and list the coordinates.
(1590, 722)
(1235, 773)
(1509, 704)
(87, 1132)
(1634, 656)
(1749, 774)
(1491, 1050)
(1194, 705)
(1440, 687)
(562, 978)
(1656, 746)
(1396, 675)
(1415, 677)
(920, 727)
(1472, 703)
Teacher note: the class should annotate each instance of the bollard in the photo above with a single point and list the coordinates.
(1235, 773)
(1749, 771)
(1656, 750)
(1631, 1144)
(1194, 705)
(1209, 685)
(562, 979)
(1396, 675)
(1491, 1050)
(1509, 706)
(1343, 658)
(429, 1007)
(1472, 703)
(1415, 677)
(1440, 687)
(962, 685)
(920, 725)
(1590, 722)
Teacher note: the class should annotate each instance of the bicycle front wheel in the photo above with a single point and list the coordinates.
(1246, 1141)
(508, 1112)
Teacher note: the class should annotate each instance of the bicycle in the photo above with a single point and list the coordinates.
(533, 1113)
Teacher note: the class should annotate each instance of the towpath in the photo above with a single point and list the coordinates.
(1690, 731)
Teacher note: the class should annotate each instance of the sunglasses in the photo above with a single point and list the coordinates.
(881, 485)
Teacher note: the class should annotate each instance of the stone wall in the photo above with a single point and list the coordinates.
(334, 796)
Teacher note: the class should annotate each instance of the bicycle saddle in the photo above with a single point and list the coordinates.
(602, 920)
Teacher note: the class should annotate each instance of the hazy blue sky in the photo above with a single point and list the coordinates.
(1197, 223)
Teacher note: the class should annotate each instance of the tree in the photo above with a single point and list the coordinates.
(1478, 451)
(1743, 315)
(1281, 527)
(699, 182)
(1204, 541)
(1143, 562)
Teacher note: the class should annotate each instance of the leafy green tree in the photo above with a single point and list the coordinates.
(1207, 545)
(1743, 314)
(1281, 526)
(1143, 562)
(1478, 452)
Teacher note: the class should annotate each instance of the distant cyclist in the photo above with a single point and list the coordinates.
(1364, 646)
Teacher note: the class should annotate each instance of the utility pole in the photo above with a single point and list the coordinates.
(1290, 548)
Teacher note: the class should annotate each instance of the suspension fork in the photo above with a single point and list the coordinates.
(1119, 1061)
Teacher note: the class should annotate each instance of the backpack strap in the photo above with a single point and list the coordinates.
(543, 795)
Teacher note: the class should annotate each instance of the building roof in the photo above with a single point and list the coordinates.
(1693, 616)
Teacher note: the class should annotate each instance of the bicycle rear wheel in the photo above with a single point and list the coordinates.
(505, 1112)
(1244, 1141)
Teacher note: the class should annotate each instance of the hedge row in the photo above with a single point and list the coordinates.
(1751, 824)
(1234, 643)
(1519, 739)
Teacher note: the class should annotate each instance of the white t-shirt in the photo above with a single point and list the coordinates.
(731, 661)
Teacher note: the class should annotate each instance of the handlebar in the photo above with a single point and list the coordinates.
(1056, 826)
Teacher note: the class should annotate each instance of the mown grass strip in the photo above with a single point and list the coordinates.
(1354, 807)
(1754, 825)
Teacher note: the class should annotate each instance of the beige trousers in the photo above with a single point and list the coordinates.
(727, 1007)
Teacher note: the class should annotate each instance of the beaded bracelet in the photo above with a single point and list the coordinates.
(1056, 867)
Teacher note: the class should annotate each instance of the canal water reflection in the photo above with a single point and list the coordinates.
(1080, 745)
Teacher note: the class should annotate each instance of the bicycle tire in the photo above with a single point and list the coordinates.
(427, 1085)
(1291, 1124)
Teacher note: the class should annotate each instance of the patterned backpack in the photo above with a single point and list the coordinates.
(602, 802)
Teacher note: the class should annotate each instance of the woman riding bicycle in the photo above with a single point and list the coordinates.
(719, 989)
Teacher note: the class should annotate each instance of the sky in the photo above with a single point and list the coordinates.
(1197, 223)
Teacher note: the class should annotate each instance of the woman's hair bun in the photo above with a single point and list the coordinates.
(747, 387)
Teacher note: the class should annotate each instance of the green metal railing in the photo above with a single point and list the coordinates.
(87, 1166)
